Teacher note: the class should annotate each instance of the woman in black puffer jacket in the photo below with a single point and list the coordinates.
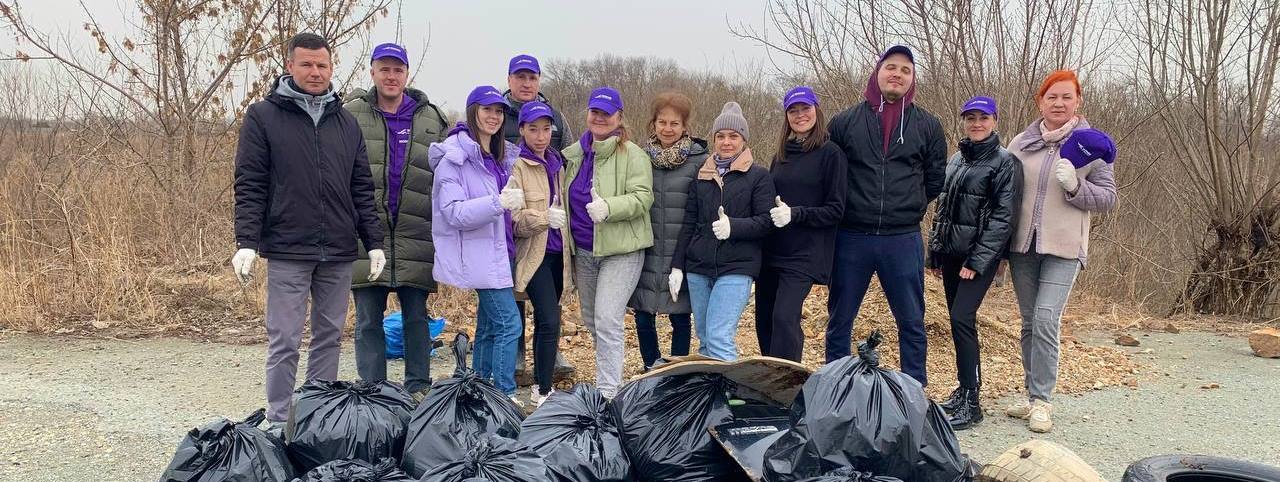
(970, 234)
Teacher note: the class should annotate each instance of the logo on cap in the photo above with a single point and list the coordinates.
(1084, 149)
(538, 107)
(524, 61)
(491, 92)
(602, 96)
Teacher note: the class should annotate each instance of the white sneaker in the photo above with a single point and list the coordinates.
(1039, 420)
(1021, 409)
(538, 400)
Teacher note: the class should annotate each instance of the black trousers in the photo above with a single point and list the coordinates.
(647, 333)
(780, 298)
(544, 293)
(371, 342)
(963, 299)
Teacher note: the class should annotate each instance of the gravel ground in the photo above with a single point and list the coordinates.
(111, 410)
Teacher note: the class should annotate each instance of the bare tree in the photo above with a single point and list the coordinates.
(1213, 63)
(177, 76)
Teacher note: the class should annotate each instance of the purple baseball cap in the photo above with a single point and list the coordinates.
(606, 99)
(523, 62)
(532, 111)
(980, 103)
(390, 50)
(899, 49)
(799, 95)
(1087, 145)
(486, 95)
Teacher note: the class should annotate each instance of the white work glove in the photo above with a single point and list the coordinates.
(242, 264)
(1066, 174)
(674, 280)
(555, 214)
(597, 208)
(377, 261)
(781, 213)
(511, 198)
(720, 227)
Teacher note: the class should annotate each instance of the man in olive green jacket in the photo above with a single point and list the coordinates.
(398, 124)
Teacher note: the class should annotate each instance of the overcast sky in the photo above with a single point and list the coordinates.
(471, 41)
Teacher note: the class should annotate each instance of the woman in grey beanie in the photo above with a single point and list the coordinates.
(726, 220)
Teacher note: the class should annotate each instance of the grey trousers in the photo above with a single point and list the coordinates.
(289, 283)
(1042, 283)
(604, 287)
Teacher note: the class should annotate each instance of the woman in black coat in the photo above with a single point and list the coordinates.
(809, 177)
(970, 234)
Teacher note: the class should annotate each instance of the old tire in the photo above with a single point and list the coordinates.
(1038, 461)
(1199, 468)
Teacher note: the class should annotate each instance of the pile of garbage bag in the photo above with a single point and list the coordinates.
(695, 420)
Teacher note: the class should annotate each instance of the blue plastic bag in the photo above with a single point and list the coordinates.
(393, 328)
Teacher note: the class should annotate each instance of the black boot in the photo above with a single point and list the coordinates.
(954, 401)
(968, 414)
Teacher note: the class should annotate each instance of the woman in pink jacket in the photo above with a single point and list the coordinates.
(470, 227)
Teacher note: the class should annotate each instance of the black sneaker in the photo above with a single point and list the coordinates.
(968, 414)
(953, 401)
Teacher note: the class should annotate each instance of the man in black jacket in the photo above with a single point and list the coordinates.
(897, 164)
(303, 193)
(524, 81)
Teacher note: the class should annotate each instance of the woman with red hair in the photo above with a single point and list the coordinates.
(1067, 175)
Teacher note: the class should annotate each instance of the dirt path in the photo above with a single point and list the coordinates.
(107, 410)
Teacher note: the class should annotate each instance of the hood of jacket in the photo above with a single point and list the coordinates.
(459, 148)
(741, 164)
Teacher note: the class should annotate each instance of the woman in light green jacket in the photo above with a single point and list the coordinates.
(609, 189)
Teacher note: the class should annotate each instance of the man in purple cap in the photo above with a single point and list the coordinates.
(524, 77)
(398, 123)
(897, 164)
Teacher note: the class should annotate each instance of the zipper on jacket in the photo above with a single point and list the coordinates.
(386, 183)
(320, 162)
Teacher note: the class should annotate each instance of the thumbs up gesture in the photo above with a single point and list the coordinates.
(555, 214)
(720, 227)
(511, 198)
(781, 213)
(597, 208)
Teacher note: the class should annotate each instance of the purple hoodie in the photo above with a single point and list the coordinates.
(399, 134)
(581, 227)
(469, 226)
(553, 163)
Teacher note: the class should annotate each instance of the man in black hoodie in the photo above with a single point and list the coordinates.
(897, 164)
(303, 194)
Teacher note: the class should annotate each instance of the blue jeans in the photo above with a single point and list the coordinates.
(717, 306)
(898, 261)
(497, 328)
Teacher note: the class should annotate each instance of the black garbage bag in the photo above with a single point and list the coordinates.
(386, 470)
(226, 451)
(665, 422)
(458, 412)
(495, 459)
(339, 420)
(577, 434)
(853, 414)
(849, 475)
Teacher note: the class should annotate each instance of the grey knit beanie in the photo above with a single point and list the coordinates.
(731, 118)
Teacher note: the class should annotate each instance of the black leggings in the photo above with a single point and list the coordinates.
(779, 300)
(544, 293)
(963, 299)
